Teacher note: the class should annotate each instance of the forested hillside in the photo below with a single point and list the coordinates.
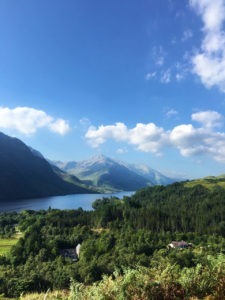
(121, 236)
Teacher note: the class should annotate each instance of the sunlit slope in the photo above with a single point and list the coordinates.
(209, 182)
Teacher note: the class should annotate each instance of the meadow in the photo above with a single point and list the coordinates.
(6, 244)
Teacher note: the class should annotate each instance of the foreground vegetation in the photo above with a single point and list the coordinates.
(123, 247)
(162, 280)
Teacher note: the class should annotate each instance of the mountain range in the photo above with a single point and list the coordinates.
(110, 175)
(25, 173)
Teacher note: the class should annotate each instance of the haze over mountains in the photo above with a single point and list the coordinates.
(109, 174)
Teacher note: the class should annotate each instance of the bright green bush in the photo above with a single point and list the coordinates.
(165, 281)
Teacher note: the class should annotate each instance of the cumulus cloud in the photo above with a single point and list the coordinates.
(199, 141)
(59, 126)
(209, 62)
(98, 136)
(186, 138)
(208, 119)
(146, 137)
(189, 140)
(27, 120)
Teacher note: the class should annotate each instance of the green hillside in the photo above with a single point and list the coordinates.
(124, 246)
(209, 182)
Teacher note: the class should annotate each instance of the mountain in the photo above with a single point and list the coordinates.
(106, 174)
(24, 173)
(109, 174)
(154, 176)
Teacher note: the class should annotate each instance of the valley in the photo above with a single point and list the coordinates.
(123, 237)
(123, 242)
(32, 176)
(112, 150)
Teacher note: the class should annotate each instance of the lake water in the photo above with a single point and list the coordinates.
(60, 202)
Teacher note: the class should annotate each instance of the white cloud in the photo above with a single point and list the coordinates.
(122, 150)
(146, 137)
(166, 76)
(179, 76)
(171, 112)
(158, 55)
(96, 137)
(212, 12)
(85, 122)
(209, 62)
(60, 126)
(150, 76)
(188, 139)
(182, 68)
(209, 119)
(187, 34)
(193, 141)
(27, 120)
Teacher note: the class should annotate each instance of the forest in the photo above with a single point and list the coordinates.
(123, 246)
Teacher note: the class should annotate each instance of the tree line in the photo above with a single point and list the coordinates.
(117, 234)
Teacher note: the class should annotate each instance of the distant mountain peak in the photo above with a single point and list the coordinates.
(98, 159)
(99, 156)
(109, 173)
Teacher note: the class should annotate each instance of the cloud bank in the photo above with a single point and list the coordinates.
(209, 62)
(186, 138)
(27, 120)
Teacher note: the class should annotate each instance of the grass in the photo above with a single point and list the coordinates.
(55, 295)
(7, 243)
(100, 230)
(208, 182)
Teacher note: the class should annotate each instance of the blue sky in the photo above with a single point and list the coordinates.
(141, 81)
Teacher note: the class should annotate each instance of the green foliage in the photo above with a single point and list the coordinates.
(164, 281)
(129, 236)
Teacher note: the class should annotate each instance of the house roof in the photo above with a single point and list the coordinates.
(179, 244)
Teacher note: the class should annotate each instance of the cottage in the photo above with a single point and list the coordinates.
(179, 245)
(73, 253)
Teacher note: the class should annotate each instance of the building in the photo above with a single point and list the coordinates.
(73, 253)
(179, 245)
